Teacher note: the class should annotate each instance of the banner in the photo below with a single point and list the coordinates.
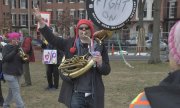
(49, 57)
(46, 17)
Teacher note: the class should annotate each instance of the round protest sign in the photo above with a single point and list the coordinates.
(111, 14)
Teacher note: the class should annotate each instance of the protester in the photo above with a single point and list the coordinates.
(166, 94)
(87, 90)
(28, 49)
(1, 74)
(12, 70)
(52, 72)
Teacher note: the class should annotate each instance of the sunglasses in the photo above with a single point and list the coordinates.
(84, 28)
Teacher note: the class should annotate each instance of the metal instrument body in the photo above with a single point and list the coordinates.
(79, 65)
(23, 55)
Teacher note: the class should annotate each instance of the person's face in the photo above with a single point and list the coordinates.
(84, 33)
(15, 41)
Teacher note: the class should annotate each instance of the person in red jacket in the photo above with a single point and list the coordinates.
(28, 49)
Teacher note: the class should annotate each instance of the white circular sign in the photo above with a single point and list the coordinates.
(111, 14)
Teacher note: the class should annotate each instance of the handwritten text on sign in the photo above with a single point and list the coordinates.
(49, 57)
(113, 12)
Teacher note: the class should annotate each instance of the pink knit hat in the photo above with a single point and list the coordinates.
(82, 21)
(13, 35)
(174, 42)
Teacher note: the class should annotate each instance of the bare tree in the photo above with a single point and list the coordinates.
(155, 52)
(141, 31)
(64, 23)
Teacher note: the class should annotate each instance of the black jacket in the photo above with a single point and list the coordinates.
(67, 85)
(167, 94)
(12, 62)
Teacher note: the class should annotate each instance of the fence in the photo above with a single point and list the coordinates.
(121, 43)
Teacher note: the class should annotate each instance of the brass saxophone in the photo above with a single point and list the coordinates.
(23, 55)
(78, 65)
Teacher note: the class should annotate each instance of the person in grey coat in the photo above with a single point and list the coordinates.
(87, 90)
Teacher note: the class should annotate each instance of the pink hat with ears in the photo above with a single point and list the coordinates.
(13, 35)
(174, 42)
(82, 21)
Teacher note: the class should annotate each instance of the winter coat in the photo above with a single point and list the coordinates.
(67, 84)
(28, 48)
(12, 62)
(167, 94)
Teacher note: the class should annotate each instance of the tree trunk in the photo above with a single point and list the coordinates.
(141, 31)
(155, 52)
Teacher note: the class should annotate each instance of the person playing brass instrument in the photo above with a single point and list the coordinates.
(12, 69)
(86, 90)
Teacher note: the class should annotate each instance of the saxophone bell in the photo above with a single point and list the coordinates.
(23, 55)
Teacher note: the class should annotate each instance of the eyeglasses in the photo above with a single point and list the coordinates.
(84, 28)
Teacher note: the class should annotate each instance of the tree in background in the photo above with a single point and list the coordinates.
(64, 23)
(155, 52)
(141, 31)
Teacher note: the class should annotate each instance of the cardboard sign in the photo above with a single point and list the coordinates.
(49, 57)
(46, 17)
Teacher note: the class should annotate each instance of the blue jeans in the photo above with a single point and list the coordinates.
(80, 101)
(14, 92)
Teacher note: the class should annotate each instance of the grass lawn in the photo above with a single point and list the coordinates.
(122, 84)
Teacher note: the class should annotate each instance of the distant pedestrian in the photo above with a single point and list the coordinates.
(52, 72)
(1, 74)
(28, 49)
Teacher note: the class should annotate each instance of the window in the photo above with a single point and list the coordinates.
(81, 1)
(23, 20)
(60, 1)
(13, 4)
(6, 2)
(35, 3)
(170, 24)
(72, 1)
(13, 19)
(49, 1)
(153, 9)
(72, 13)
(23, 4)
(82, 14)
(59, 13)
(145, 10)
(33, 20)
(172, 9)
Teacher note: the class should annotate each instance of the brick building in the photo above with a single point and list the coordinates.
(22, 13)
(171, 10)
(18, 14)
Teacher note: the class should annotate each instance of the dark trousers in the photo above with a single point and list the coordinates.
(52, 75)
(1, 96)
(80, 101)
(27, 76)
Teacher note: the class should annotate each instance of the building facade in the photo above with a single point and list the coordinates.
(18, 14)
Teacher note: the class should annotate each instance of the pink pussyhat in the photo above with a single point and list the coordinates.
(13, 35)
(174, 42)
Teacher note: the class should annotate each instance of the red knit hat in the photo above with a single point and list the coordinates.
(82, 21)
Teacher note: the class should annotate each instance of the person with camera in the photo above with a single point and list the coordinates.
(12, 69)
